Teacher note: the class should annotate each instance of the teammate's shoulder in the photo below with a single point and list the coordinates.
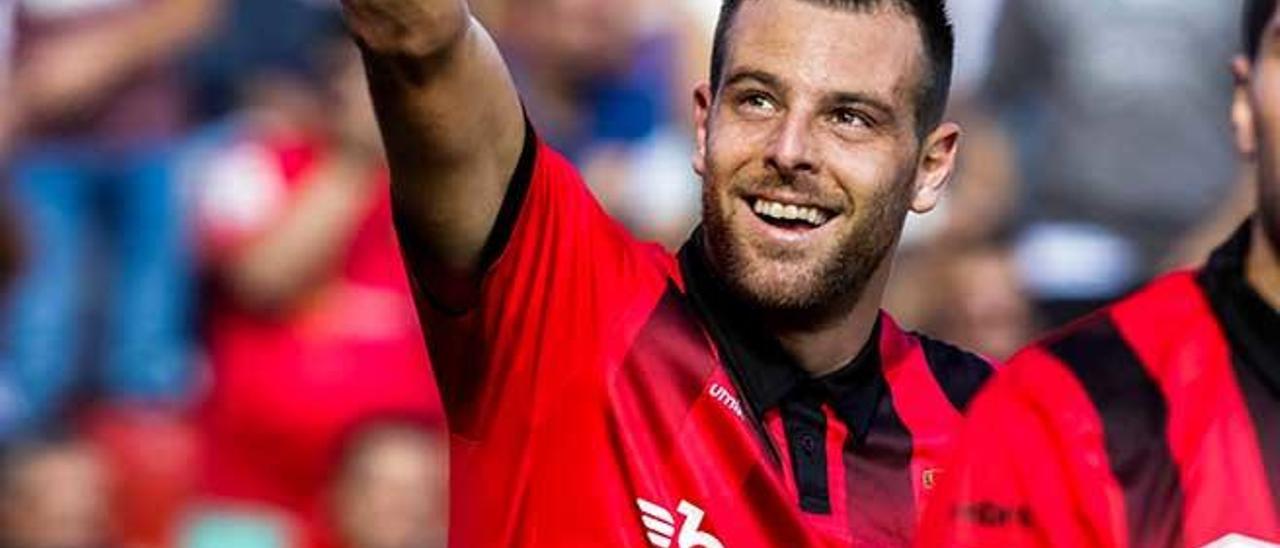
(1171, 304)
(1163, 311)
(1116, 344)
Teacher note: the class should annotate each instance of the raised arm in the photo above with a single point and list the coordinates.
(453, 128)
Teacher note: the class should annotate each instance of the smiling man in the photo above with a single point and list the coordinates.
(745, 392)
(1161, 424)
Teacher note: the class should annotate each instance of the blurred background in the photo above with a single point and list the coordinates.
(206, 337)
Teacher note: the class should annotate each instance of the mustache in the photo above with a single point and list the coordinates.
(798, 185)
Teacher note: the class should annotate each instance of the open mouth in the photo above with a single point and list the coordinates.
(789, 216)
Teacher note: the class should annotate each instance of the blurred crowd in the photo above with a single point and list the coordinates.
(206, 335)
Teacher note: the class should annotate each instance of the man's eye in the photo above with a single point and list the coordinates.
(757, 101)
(849, 117)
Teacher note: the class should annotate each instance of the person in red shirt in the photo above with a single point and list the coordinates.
(1156, 421)
(747, 391)
(310, 327)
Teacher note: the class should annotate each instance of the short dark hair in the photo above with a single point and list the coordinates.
(935, 31)
(1257, 14)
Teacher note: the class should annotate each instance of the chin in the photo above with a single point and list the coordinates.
(804, 284)
(794, 292)
(772, 284)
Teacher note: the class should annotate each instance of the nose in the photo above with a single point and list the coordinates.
(792, 149)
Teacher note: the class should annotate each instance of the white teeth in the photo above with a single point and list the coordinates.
(786, 212)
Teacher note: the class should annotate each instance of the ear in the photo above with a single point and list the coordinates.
(1242, 108)
(703, 102)
(937, 165)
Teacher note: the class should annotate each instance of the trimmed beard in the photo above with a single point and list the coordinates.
(830, 287)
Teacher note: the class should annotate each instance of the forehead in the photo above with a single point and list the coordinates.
(827, 49)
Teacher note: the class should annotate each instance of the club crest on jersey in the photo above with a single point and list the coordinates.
(660, 526)
(929, 478)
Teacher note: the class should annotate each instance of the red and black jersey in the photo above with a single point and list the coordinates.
(603, 392)
(1155, 422)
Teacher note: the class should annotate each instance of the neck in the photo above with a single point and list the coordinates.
(1262, 268)
(825, 348)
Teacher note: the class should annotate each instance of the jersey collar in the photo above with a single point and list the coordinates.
(1250, 323)
(766, 373)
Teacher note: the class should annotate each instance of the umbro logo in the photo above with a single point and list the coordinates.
(724, 397)
(660, 525)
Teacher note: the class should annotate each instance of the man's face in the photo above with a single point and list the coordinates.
(809, 153)
(393, 492)
(56, 499)
(1258, 97)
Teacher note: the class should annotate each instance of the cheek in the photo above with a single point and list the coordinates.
(728, 153)
(1267, 122)
(1267, 101)
(871, 177)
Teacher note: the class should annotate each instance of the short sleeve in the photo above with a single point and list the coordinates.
(562, 279)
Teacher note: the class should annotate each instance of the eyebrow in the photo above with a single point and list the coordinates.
(847, 97)
(740, 76)
(836, 98)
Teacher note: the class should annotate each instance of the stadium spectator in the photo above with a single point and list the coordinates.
(97, 107)
(391, 490)
(252, 38)
(53, 494)
(975, 298)
(309, 323)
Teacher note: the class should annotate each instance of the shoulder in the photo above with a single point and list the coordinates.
(1138, 332)
(1113, 362)
(959, 373)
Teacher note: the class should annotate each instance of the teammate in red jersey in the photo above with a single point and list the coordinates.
(747, 392)
(1155, 422)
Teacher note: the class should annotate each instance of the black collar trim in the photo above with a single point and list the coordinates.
(767, 373)
(1252, 326)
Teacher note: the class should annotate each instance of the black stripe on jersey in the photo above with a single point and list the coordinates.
(513, 202)
(879, 481)
(1135, 424)
(806, 428)
(959, 373)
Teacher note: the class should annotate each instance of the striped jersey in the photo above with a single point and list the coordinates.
(1155, 422)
